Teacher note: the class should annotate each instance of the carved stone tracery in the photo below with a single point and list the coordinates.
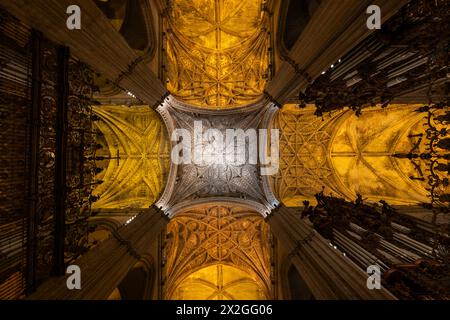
(304, 144)
(348, 155)
(217, 51)
(134, 155)
(213, 234)
(214, 180)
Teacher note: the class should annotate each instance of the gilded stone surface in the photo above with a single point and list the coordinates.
(217, 52)
(225, 249)
(136, 154)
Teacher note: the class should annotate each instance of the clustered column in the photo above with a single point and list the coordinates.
(335, 27)
(103, 267)
(97, 44)
(328, 274)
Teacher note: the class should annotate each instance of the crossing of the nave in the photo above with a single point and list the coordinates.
(90, 119)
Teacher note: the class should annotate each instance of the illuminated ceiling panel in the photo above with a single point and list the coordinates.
(217, 51)
(219, 282)
(361, 155)
(212, 180)
(202, 241)
(135, 157)
(304, 144)
(348, 155)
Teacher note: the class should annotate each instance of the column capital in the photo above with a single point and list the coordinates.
(160, 211)
(161, 101)
(272, 99)
(97, 44)
(280, 208)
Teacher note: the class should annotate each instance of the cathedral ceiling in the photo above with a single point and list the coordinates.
(135, 157)
(219, 282)
(217, 51)
(348, 155)
(217, 251)
(362, 155)
(304, 144)
(210, 181)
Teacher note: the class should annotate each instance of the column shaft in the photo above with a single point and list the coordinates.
(335, 28)
(103, 267)
(328, 274)
(97, 43)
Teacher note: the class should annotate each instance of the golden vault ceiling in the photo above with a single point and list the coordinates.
(217, 52)
(362, 155)
(135, 157)
(304, 141)
(219, 282)
(224, 248)
(348, 155)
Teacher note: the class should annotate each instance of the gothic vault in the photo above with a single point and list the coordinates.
(353, 204)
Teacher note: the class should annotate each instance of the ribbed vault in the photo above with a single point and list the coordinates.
(225, 248)
(134, 155)
(349, 155)
(217, 51)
